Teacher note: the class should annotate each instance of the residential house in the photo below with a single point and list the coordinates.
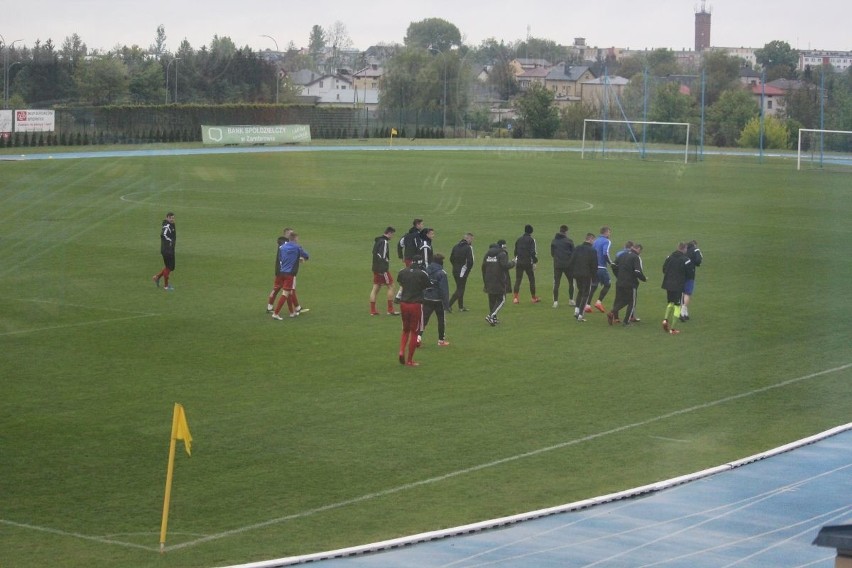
(749, 76)
(595, 91)
(339, 91)
(368, 77)
(520, 65)
(304, 77)
(772, 97)
(565, 81)
(529, 77)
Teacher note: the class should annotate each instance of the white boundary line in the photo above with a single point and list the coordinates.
(525, 516)
(576, 506)
(136, 315)
(503, 521)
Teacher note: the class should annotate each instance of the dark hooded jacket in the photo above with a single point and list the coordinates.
(495, 270)
(561, 249)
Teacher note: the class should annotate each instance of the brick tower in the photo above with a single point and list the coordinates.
(702, 27)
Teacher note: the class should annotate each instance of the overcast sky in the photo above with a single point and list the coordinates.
(103, 24)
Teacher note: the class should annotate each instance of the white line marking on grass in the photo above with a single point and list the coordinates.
(450, 475)
(502, 461)
(59, 302)
(99, 539)
(81, 324)
(134, 315)
(663, 438)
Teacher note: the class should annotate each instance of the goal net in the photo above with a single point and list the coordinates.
(824, 149)
(636, 139)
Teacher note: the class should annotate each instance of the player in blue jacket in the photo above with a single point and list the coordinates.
(290, 255)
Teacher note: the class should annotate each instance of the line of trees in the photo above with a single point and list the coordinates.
(433, 72)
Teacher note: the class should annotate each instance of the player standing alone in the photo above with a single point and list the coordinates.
(168, 238)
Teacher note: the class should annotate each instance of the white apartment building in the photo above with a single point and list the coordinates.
(840, 60)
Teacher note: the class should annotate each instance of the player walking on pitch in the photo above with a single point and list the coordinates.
(168, 239)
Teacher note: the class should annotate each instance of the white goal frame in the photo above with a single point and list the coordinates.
(818, 131)
(686, 145)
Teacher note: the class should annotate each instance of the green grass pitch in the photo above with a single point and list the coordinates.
(309, 435)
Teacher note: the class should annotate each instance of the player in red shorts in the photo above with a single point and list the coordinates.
(277, 283)
(413, 281)
(289, 256)
(381, 274)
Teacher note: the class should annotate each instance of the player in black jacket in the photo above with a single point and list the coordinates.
(677, 269)
(526, 258)
(495, 276)
(561, 249)
(381, 271)
(629, 272)
(584, 266)
(694, 254)
(168, 239)
(410, 243)
(461, 257)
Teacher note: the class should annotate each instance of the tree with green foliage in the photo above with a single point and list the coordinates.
(776, 135)
(537, 111)
(399, 86)
(721, 73)
(146, 84)
(537, 48)
(670, 104)
(727, 117)
(158, 48)
(102, 80)
(434, 33)
(316, 43)
(662, 63)
(778, 59)
(572, 118)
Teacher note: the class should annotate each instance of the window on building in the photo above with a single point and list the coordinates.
(769, 104)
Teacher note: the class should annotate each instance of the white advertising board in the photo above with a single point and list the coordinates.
(5, 121)
(275, 134)
(33, 120)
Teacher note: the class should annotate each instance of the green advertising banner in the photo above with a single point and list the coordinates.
(280, 134)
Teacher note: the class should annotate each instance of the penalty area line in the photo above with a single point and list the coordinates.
(509, 459)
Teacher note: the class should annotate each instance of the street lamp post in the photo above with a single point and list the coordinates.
(458, 92)
(167, 78)
(277, 51)
(444, 102)
(6, 70)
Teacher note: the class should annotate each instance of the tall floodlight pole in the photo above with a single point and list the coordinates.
(444, 101)
(6, 70)
(167, 78)
(176, 77)
(458, 92)
(277, 51)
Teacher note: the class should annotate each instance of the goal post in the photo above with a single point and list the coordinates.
(637, 141)
(824, 146)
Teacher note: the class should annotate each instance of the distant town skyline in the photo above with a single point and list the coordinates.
(102, 24)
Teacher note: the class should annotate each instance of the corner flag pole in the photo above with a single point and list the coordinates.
(180, 431)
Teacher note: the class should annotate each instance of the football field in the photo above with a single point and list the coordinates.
(308, 434)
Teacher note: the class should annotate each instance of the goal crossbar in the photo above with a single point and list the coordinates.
(629, 124)
(816, 131)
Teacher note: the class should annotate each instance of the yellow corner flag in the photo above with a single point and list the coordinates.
(394, 132)
(180, 431)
